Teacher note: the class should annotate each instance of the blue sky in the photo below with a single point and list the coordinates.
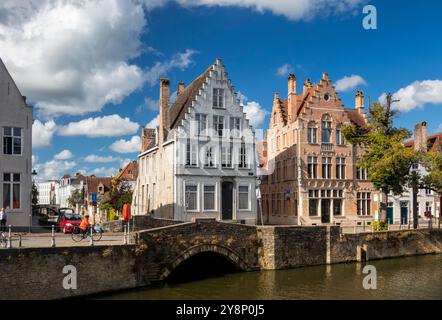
(87, 66)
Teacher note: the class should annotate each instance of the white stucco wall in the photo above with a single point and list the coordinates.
(14, 112)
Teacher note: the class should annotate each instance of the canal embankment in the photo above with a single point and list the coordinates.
(40, 273)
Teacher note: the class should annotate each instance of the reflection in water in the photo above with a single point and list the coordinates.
(403, 278)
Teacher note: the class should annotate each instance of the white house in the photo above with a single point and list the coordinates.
(67, 185)
(200, 161)
(400, 208)
(48, 192)
(15, 152)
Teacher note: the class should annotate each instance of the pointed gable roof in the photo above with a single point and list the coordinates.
(185, 98)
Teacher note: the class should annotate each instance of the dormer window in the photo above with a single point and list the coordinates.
(218, 98)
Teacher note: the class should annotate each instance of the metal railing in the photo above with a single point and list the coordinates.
(47, 237)
(362, 226)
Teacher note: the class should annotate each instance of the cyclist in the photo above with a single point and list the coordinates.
(85, 224)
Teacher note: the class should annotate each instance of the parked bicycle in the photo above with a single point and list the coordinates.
(96, 232)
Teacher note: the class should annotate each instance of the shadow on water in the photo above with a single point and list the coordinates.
(204, 265)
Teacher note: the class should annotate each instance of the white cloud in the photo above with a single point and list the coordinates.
(106, 126)
(127, 146)
(151, 104)
(106, 172)
(349, 82)
(53, 169)
(100, 159)
(42, 133)
(152, 124)
(291, 9)
(70, 58)
(255, 113)
(416, 95)
(284, 70)
(125, 162)
(64, 155)
(180, 60)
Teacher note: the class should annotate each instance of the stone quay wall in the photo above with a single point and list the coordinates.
(38, 273)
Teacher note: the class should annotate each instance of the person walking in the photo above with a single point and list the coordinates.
(126, 214)
(3, 218)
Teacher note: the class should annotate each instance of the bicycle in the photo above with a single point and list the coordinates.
(78, 235)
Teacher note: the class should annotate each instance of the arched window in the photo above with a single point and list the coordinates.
(326, 129)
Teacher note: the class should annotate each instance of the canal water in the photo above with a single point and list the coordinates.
(417, 277)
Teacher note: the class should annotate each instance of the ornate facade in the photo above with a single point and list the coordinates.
(310, 175)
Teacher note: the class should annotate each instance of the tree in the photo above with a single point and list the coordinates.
(432, 161)
(35, 195)
(76, 197)
(120, 193)
(387, 161)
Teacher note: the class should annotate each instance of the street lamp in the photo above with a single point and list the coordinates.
(34, 174)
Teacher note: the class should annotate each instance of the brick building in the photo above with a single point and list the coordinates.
(310, 176)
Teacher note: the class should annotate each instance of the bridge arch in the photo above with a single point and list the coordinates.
(223, 251)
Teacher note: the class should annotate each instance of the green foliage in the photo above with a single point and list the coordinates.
(119, 194)
(76, 197)
(432, 161)
(387, 160)
(380, 226)
(35, 195)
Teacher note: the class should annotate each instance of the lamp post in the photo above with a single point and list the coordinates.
(34, 174)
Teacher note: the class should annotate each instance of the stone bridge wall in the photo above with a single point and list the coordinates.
(139, 223)
(38, 273)
(240, 243)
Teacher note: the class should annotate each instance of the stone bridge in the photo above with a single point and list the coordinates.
(166, 247)
(162, 250)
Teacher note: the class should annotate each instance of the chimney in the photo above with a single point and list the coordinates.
(420, 137)
(164, 110)
(359, 102)
(307, 86)
(291, 83)
(148, 139)
(325, 76)
(276, 99)
(181, 88)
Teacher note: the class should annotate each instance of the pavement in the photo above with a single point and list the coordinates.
(44, 240)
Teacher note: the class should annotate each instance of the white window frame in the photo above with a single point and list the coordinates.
(363, 204)
(243, 157)
(340, 168)
(312, 135)
(327, 165)
(191, 153)
(248, 197)
(11, 184)
(312, 162)
(200, 130)
(13, 137)
(217, 122)
(339, 137)
(212, 157)
(215, 203)
(218, 98)
(191, 184)
(227, 156)
(235, 127)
